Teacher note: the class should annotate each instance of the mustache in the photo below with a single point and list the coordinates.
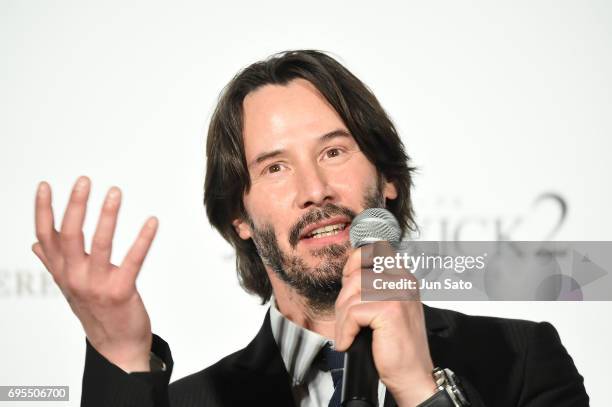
(316, 215)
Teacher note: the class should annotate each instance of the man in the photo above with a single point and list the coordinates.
(296, 148)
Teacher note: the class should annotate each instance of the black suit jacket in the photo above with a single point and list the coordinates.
(501, 362)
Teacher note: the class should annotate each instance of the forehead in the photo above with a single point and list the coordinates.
(277, 115)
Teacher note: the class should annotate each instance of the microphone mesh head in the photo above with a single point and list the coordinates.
(373, 225)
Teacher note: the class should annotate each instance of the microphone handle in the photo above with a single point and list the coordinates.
(360, 379)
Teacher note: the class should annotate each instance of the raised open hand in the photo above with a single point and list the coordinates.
(103, 296)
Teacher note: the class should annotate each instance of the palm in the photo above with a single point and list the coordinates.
(103, 296)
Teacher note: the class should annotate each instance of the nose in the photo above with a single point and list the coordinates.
(313, 188)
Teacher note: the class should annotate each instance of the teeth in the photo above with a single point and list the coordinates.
(327, 230)
(320, 235)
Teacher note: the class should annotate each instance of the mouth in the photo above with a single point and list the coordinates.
(329, 228)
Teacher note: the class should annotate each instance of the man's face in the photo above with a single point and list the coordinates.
(308, 180)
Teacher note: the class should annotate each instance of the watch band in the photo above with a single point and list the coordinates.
(449, 394)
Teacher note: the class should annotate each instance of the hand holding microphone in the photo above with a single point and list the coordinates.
(398, 352)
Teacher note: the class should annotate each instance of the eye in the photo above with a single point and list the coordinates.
(333, 152)
(273, 169)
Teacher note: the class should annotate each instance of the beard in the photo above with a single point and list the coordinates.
(319, 285)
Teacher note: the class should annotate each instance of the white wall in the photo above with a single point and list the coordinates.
(497, 102)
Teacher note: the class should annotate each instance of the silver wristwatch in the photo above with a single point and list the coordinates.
(447, 382)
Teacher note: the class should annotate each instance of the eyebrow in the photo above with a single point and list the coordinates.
(274, 153)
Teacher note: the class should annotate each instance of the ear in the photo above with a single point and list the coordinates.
(389, 190)
(242, 228)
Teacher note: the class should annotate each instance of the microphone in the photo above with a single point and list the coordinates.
(360, 379)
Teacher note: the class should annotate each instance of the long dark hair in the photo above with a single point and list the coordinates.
(227, 176)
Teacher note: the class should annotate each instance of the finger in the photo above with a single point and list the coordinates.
(362, 258)
(384, 248)
(353, 263)
(137, 253)
(341, 311)
(38, 251)
(71, 233)
(351, 321)
(350, 287)
(102, 241)
(45, 225)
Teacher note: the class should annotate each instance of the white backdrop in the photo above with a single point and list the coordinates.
(497, 102)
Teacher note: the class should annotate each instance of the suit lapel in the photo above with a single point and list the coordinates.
(261, 372)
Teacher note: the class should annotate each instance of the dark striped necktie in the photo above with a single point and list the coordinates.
(334, 361)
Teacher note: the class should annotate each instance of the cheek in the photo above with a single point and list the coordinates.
(351, 191)
(267, 207)
(354, 179)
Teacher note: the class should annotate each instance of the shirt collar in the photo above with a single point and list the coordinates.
(298, 346)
